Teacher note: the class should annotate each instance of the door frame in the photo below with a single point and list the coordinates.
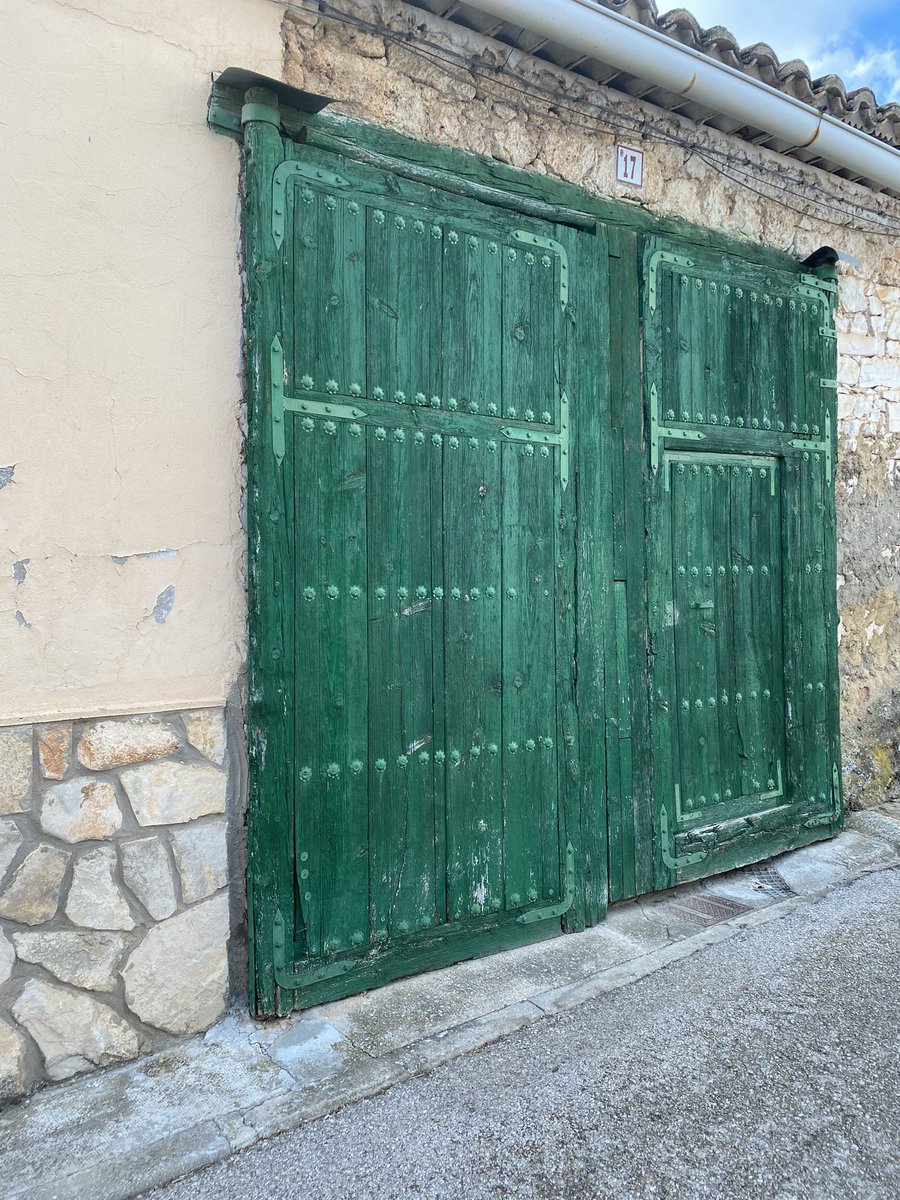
(613, 699)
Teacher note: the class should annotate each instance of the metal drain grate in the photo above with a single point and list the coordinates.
(770, 881)
(705, 910)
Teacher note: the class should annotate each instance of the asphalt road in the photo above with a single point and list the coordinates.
(765, 1067)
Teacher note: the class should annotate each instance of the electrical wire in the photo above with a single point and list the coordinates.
(584, 112)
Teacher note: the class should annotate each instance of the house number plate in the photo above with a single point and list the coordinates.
(629, 166)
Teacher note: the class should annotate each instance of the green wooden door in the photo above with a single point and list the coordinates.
(413, 495)
(740, 565)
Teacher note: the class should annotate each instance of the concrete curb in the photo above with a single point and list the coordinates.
(122, 1167)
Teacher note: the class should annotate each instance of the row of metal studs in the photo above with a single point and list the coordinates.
(739, 293)
(708, 571)
(720, 470)
(453, 405)
(754, 783)
(333, 592)
(754, 423)
(333, 769)
(330, 429)
(699, 703)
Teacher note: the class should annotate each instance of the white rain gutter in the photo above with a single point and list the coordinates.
(585, 27)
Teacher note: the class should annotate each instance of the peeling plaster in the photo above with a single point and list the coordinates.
(163, 606)
(20, 620)
(121, 559)
(6, 475)
(20, 569)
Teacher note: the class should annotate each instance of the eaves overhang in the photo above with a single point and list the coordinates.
(747, 92)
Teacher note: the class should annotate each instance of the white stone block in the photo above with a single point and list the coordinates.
(106, 744)
(32, 895)
(148, 874)
(171, 793)
(177, 977)
(95, 900)
(12, 1062)
(15, 768)
(79, 810)
(86, 960)
(10, 841)
(206, 732)
(880, 373)
(73, 1030)
(202, 859)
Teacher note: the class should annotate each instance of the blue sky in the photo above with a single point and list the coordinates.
(856, 39)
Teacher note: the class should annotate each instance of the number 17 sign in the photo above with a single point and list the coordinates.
(629, 165)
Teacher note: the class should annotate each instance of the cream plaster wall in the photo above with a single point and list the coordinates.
(120, 343)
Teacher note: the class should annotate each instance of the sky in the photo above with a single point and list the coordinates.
(856, 39)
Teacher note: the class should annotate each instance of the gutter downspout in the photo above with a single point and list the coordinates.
(585, 27)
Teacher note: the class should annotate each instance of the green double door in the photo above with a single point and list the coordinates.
(542, 564)
(414, 722)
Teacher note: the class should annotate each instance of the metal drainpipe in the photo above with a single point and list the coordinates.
(585, 27)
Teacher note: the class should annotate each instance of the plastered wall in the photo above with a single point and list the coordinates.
(121, 585)
(467, 105)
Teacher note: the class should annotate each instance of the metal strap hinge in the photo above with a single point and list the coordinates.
(300, 979)
(675, 862)
(515, 433)
(545, 243)
(656, 258)
(658, 432)
(296, 170)
(568, 896)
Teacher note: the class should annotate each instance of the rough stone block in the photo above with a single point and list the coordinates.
(148, 874)
(206, 733)
(202, 859)
(55, 749)
(862, 345)
(12, 1062)
(106, 744)
(7, 957)
(879, 373)
(32, 895)
(86, 960)
(80, 810)
(171, 793)
(177, 977)
(853, 295)
(95, 899)
(15, 768)
(74, 1031)
(10, 841)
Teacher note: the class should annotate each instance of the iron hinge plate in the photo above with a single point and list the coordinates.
(515, 433)
(300, 979)
(545, 243)
(658, 432)
(566, 902)
(819, 446)
(672, 861)
(292, 169)
(656, 258)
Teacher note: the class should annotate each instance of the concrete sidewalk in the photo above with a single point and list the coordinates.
(117, 1133)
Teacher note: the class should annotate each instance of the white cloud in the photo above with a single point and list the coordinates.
(876, 69)
(827, 34)
(796, 29)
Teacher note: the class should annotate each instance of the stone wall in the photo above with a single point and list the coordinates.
(484, 99)
(114, 913)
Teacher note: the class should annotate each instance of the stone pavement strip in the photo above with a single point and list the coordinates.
(116, 1133)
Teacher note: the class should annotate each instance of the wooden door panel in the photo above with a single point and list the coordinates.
(739, 367)
(425, 569)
